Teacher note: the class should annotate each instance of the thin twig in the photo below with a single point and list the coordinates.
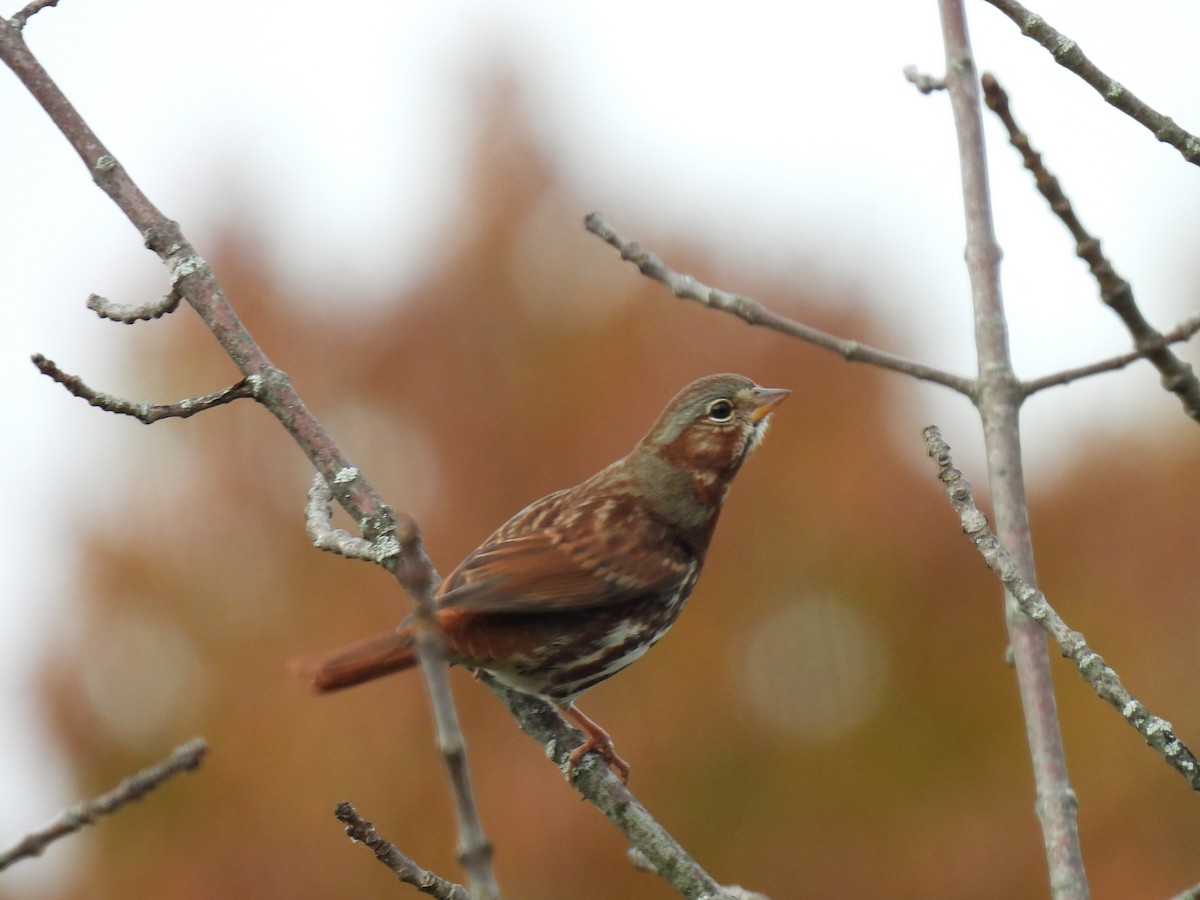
(145, 413)
(408, 871)
(754, 313)
(1068, 55)
(923, 81)
(999, 399)
(318, 524)
(1115, 291)
(474, 848)
(184, 758)
(1181, 332)
(31, 9)
(128, 313)
(1091, 665)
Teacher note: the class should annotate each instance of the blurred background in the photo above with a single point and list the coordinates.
(392, 196)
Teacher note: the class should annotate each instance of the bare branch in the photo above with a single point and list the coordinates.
(1091, 665)
(754, 313)
(922, 81)
(145, 413)
(421, 580)
(31, 9)
(363, 832)
(192, 278)
(128, 313)
(318, 518)
(1181, 332)
(1068, 54)
(595, 780)
(1115, 291)
(184, 758)
(999, 399)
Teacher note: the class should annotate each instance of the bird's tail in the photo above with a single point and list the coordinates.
(355, 663)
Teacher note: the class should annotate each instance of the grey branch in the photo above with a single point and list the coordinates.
(754, 313)
(318, 519)
(1181, 332)
(193, 279)
(363, 832)
(184, 758)
(1095, 671)
(22, 16)
(1115, 291)
(146, 413)
(404, 552)
(998, 399)
(128, 313)
(1068, 54)
(655, 847)
(923, 81)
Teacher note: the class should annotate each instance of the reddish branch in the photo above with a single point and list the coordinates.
(396, 537)
(145, 413)
(1115, 291)
(363, 832)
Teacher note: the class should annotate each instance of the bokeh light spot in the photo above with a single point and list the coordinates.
(816, 669)
(141, 678)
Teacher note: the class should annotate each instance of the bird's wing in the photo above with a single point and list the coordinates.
(560, 568)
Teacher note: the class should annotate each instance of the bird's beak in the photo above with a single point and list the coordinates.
(765, 400)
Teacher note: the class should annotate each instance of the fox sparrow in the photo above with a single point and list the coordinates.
(581, 583)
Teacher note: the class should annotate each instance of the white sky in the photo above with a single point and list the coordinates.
(779, 132)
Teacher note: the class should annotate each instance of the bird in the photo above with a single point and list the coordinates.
(581, 583)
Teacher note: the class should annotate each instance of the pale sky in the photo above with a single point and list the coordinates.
(777, 132)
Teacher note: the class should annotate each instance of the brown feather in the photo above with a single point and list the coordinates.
(362, 661)
(565, 567)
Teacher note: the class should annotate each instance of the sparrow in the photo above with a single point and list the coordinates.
(579, 584)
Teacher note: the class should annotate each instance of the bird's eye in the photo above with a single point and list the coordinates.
(720, 411)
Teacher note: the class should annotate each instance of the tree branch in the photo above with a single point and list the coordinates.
(1068, 54)
(998, 399)
(318, 525)
(1177, 376)
(923, 81)
(754, 313)
(146, 413)
(1181, 332)
(128, 313)
(595, 780)
(184, 758)
(1095, 671)
(363, 832)
(31, 9)
(397, 539)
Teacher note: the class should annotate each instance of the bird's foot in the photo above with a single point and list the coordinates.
(596, 740)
